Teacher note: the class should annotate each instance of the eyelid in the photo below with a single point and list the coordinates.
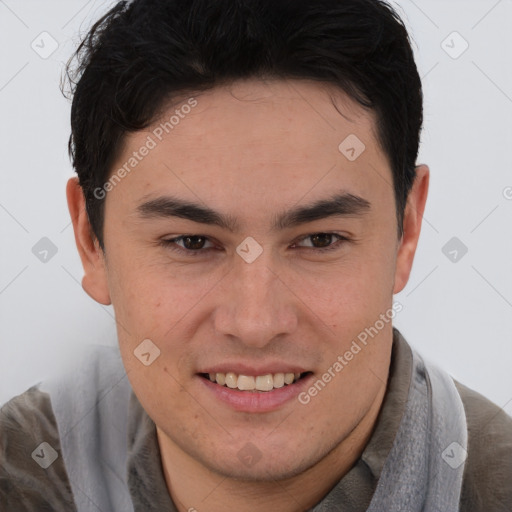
(339, 235)
(168, 242)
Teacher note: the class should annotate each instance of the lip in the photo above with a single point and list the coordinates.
(256, 401)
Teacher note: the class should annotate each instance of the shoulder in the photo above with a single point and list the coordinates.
(32, 472)
(488, 473)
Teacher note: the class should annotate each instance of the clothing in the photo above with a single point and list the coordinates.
(29, 419)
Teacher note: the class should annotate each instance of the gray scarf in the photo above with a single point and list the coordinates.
(422, 473)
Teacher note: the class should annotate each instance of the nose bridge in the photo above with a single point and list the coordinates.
(257, 284)
(257, 306)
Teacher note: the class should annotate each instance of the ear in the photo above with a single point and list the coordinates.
(94, 282)
(413, 216)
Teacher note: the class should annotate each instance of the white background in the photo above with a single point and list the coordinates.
(456, 314)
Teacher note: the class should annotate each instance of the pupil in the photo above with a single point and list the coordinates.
(324, 238)
(192, 245)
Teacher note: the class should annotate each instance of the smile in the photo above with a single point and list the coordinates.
(250, 383)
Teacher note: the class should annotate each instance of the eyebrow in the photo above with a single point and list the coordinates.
(340, 205)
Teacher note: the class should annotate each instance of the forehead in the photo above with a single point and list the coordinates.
(252, 112)
(279, 140)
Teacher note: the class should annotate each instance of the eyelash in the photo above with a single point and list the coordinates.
(171, 244)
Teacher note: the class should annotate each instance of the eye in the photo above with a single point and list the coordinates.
(323, 241)
(192, 244)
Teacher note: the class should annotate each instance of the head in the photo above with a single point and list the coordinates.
(248, 198)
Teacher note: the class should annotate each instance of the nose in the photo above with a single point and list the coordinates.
(255, 305)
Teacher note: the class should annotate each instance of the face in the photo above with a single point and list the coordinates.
(244, 241)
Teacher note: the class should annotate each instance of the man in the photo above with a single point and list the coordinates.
(248, 200)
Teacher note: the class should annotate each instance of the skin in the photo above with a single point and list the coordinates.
(252, 151)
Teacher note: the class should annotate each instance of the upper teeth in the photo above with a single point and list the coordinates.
(250, 383)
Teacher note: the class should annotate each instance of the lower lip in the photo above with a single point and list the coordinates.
(257, 401)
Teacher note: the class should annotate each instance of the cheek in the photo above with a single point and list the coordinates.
(349, 293)
(158, 302)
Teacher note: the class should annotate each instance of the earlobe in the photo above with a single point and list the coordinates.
(94, 281)
(413, 217)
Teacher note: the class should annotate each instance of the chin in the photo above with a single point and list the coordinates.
(262, 471)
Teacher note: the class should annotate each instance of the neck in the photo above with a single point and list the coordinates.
(190, 482)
